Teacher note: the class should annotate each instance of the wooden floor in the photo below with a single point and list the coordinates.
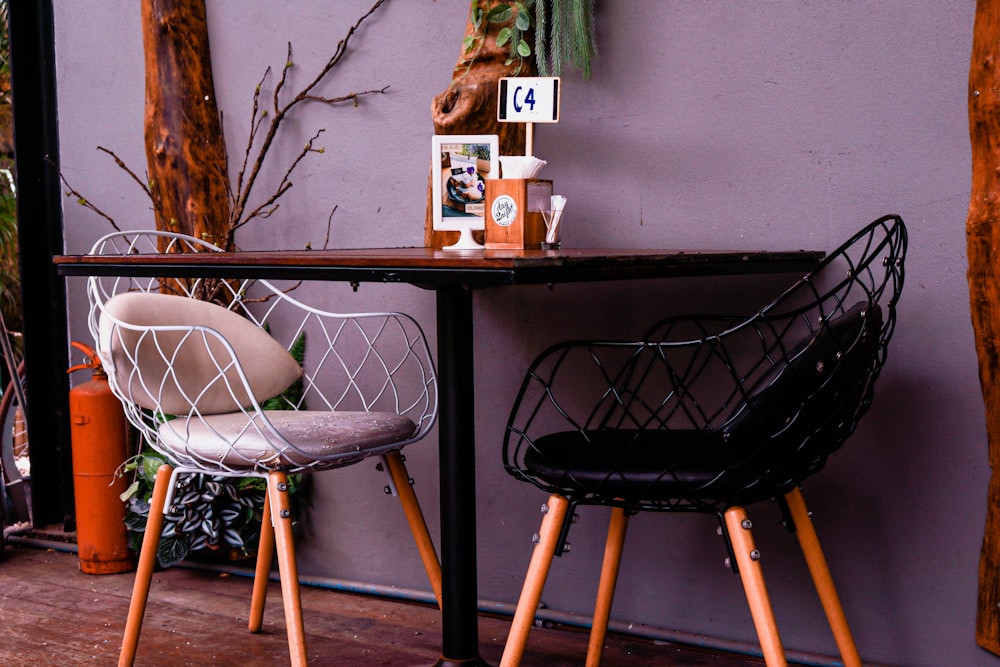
(52, 614)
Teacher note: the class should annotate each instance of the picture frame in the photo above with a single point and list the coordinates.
(461, 163)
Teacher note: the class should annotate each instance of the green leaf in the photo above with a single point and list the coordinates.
(150, 464)
(132, 489)
(500, 14)
(523, 21)
(504, 36)
(523, 49)
(135, 522)
(172, 550)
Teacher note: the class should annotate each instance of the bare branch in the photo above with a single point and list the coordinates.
(142, 184)
(263, 128)
(336, 57)
(238, 215)
(265, 209)
(344, 98)
(329, 224)
(86, 203)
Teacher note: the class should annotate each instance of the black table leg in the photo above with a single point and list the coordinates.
(457, 461)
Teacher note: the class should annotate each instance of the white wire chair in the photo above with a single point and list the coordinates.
(205, 371)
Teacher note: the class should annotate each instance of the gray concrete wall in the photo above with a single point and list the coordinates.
(750, 124)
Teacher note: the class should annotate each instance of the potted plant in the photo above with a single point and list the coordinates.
(209, 513)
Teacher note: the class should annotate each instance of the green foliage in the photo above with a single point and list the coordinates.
(10, 273)
(511, 20)
(208, 511)
(4, 53)
(291, 397)
(10, 270)
(564, 33)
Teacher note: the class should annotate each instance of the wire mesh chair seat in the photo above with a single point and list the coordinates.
(242, 379)
(709, 414)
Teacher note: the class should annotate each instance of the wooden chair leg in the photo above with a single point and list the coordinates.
(415, 517)
(534, 581)
(820, 572)
(147, 563)
(281, 519)
(606, 589)
(748, 561)
(261, 577)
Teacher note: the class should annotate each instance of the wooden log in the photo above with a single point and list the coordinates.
(185, 149)
(469, 105)
(983, 239)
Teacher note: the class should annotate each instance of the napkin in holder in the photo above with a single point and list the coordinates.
(513, 217)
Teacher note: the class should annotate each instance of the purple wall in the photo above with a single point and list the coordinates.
(753, 124)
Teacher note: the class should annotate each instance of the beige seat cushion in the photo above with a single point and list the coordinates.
(177, 367)
(338, 438)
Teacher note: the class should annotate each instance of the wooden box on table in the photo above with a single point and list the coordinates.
(514, 212)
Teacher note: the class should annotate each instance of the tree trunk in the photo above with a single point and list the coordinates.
(185, 149)
(469, 106)
(983, 238)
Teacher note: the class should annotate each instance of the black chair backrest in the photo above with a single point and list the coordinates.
(748, 405)
(811, 400)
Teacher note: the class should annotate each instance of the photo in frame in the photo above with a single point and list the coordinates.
(461, 163)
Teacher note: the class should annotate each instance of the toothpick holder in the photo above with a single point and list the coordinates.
(513, 212)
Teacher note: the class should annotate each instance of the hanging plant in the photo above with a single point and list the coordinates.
(563, 32)
(564, 35)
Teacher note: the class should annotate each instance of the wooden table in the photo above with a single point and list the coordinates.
(453, 275)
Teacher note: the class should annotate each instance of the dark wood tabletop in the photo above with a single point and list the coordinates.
(478, 268)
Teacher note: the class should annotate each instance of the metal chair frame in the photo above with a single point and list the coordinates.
(709, 414)
(371, 363)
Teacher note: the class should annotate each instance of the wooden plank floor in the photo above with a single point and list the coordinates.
(52, 614)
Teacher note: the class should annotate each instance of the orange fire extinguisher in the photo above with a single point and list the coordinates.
(99, 435)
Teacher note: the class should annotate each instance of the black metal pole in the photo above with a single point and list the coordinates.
(457, 452)
(39, 216)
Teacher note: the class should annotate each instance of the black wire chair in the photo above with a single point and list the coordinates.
(709, 414)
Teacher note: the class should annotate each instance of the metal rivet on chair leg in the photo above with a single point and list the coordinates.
(728, 563)
(536, 538)
(755, 554)
(544, 509)
(746, 524)
(282, 486)
(285, 514)
(388, 490)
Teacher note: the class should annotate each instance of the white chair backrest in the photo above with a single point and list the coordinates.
(171, 353)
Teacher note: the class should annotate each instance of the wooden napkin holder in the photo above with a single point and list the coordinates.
(513, 217)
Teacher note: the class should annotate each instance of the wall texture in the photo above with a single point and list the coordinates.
(749, 124)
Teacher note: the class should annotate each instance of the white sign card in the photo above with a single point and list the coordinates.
(529, 99)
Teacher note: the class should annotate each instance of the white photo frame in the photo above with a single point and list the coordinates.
(461, 163)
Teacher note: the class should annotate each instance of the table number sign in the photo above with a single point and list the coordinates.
(528, 99)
